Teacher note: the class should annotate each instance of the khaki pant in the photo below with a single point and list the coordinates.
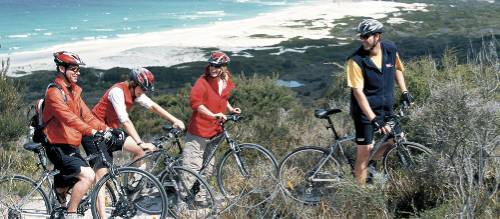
(193, 159)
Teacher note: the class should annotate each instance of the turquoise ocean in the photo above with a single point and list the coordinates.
(27, 25)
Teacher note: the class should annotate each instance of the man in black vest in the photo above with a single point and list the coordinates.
(372, 71)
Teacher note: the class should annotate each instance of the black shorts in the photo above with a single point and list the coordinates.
(364, 132)
(90, 148)
(68, 160)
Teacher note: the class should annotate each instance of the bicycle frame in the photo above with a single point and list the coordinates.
(333, 149)
(396, 133)
(215, 143)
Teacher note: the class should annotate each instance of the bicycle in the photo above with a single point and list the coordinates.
(22, 196)
(167, 168)
(245, 171)
(309, 172)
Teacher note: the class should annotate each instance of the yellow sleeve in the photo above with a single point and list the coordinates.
(354, 75)
(399, 64)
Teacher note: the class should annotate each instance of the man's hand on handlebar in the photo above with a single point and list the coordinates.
(148, 147)
(179, 124)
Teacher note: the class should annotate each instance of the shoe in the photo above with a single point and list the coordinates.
(201, 204)
(372, 171)
(61, 197)
(73, 216)
(136, 179)
(58, 213)
(311, 195)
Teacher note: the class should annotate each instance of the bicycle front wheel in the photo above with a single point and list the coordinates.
(137, 193)
(20, 198)
(308, 173)
(189, 194)
(248, 175)
(405, 160)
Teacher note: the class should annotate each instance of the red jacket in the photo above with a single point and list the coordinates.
(104, 110)
(205, 92)
(66, 122)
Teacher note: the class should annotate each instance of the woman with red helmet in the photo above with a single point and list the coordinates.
(112, 109)
(209, 101)
(67, 118)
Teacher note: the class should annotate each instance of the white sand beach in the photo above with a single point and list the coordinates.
(168, 48)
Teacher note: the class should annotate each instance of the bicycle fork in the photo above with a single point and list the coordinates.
(405, 158)
(239, 161)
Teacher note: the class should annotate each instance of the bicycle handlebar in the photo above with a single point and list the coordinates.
(172, 135)
(231, 117)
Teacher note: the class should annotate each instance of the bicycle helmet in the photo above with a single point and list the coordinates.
(67, 58)
(370, 27)
(218, 58)
(143, 78)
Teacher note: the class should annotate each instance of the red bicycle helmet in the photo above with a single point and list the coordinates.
(142, 77)
(218, 58)
(67, 59)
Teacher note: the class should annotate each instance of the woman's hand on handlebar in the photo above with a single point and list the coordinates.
(220, 116)
(236, 110)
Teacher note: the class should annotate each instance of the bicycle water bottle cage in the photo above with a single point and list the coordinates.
(324, 113)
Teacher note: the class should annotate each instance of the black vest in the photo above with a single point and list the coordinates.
(378, 83)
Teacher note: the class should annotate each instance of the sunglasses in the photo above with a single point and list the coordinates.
(365, 36)
(217, 66)
(74, 68)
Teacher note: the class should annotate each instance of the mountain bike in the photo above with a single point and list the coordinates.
(246, 173)
(166, 166)
(309, 172)
(22, 197)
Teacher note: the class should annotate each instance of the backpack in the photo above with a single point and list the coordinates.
(37, 121)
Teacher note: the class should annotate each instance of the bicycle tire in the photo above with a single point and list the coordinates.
(182, 194)
(142, 200)
(396, 157)
(13, 189)
(298, 165)
(233, 184)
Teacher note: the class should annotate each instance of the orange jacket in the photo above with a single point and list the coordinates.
(66, 122)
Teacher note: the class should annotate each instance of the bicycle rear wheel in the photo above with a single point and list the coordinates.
(189, 194)
(137, 193)
(253, 184)
(405, 160)
(296, 171)
(20, 198)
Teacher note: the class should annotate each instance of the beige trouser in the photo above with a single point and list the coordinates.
(193, 159)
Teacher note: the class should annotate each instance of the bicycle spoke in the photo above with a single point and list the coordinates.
(20, 198)
(248, 176)
(405, 161)
(308, 173)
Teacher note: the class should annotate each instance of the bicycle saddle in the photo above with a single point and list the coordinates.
(324, 113)
(35, 147)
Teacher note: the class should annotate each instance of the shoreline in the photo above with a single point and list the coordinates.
(172, 47)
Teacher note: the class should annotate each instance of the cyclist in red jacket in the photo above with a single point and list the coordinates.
(209, 101)
(67, 119)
